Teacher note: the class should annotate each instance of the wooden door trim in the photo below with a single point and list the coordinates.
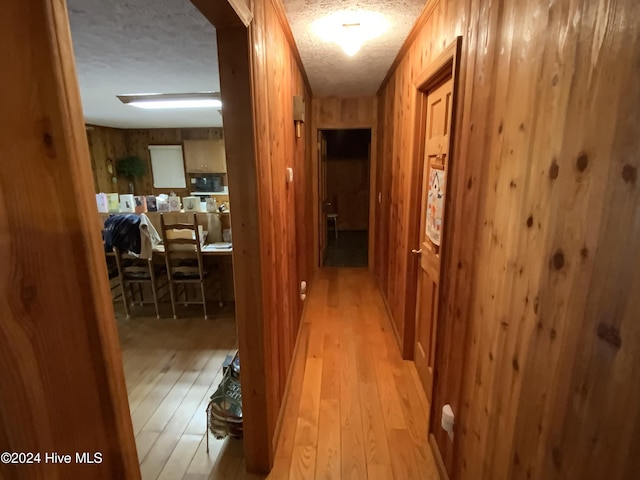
(237, 89)
(440, 68)
(63, 385)
(373, 172)
(225, 13)
(453, 62)
(438, 458)
(446, 63)
(413, 263)
(372, 185)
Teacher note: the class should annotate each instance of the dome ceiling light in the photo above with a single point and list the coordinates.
(350, 30)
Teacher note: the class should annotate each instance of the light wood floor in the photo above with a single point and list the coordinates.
(355, 409)
(171, 369)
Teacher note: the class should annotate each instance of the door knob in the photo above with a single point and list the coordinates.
(416, 252)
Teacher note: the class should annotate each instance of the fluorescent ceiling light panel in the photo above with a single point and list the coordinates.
(158, 101)
(350, 29)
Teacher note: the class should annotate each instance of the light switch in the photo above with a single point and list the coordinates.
(289, 174)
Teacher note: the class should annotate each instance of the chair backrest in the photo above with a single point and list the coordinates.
(130, 267)
(182, 242)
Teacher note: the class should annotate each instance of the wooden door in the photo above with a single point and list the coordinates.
(436, 163)
(322, 194)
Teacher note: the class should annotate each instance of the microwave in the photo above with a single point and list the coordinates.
(207, 183)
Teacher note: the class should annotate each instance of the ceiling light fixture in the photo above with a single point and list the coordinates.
(350, 29)
(172, 100)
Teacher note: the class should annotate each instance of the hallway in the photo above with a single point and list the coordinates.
(355, 409)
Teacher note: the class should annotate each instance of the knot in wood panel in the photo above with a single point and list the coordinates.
(554, 170)
(582, 162)
(630, 174)
(530, 221)
(28, 295)
(584, 253)
(610, 334)
(557, 261)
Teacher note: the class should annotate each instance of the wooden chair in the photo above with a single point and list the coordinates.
(136, 272)
(114, 276)
(183, 256)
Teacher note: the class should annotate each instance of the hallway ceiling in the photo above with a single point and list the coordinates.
(330, 70)
(167, 46)
(143, 46)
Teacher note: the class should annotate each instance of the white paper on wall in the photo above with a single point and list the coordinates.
(167, 164)
(435, 204)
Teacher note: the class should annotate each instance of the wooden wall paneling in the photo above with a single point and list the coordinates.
(274, 222)
(417, 29)
(541, 216)
(114, 143)
(502, 242)
(386, 169)
(278, 157)
(344, 112)
(63, 386)
(105, 144)
(597, 244)
(243, 172)
(285, 28)
(278, 77)
(275, 76)
(472, 126)
(393, 294)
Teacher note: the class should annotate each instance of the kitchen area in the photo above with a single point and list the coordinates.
(172, 174)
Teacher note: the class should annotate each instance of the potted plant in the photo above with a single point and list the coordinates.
(131, 167)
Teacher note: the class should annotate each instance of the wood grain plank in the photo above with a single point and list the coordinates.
(328, 451)
(56, 320)
(352, 438)
(544, 91)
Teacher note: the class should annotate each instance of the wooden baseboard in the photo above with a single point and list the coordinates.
(438, 458)
(393, 324)
(302, 338)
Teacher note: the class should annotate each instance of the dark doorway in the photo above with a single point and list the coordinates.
(345, 169)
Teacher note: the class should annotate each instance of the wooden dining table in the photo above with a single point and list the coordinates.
(208, 249)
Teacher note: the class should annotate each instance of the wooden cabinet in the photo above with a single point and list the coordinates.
(205, 156)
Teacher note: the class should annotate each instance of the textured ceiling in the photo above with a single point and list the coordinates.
(330, 70)
(142, 46)
(167, 46)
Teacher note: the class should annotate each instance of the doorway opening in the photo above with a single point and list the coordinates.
(174, 309)
(345, 161)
